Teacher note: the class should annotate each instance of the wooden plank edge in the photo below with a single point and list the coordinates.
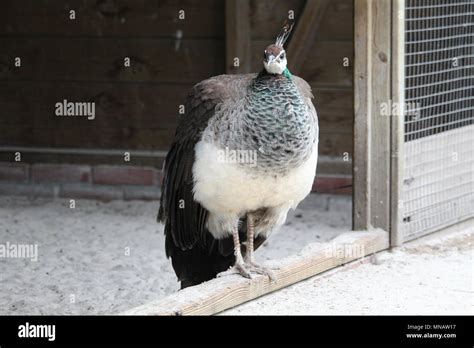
(397, 123)
(229, 291)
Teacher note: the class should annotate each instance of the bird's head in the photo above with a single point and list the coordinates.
(274, 57)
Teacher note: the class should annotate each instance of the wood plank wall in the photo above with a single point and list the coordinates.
(137, 107)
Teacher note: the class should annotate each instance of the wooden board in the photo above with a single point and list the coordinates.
(397, 123)
(380, 60)
(88, 137)
(229, 291)
(362, 94)
(86, 159)
(329, 165)
(334, 108)
(99, 59)
(372, 87)
(237, 25)
(119, 19)
(335, 144)
(304, 34)
(135, 105)
(268, 16)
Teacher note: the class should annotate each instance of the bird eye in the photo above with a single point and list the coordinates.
(282, 56)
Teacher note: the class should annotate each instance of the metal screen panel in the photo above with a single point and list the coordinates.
(438, 185)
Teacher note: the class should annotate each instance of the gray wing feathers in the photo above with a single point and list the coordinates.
(187, 226)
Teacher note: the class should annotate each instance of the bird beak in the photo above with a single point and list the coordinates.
(270, 59)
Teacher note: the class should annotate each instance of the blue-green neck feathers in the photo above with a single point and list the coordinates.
(285, 73)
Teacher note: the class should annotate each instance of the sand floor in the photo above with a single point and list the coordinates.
(106, 258)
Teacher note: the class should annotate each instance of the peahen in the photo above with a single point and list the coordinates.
(243, 155)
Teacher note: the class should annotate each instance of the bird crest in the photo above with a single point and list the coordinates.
(284, 34)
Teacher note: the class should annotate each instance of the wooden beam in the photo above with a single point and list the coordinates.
(305, 32)
(362, 108)
(379, 183)
(372, 88)
(397, 124)
(237, 27)
(229, 291)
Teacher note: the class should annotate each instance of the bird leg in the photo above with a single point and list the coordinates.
(249, 255)
(250, 237)
(239, 266)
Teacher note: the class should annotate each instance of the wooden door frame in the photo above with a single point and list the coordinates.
(378, 139)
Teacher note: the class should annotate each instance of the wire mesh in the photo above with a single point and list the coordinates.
(438, 185)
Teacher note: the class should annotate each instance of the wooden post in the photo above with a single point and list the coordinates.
(398, 96)
(304, 33)
(362, 108)
(372, 90)
(237, 29)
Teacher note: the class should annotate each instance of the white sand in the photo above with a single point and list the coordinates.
(82, 252)
(430, 276)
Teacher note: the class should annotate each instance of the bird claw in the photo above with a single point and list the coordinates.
(262, 270)
(246, 269)
(236, 269)
(243, 270)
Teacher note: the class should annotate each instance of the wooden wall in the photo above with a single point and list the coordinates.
(137, 107)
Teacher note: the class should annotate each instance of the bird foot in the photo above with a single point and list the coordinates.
(259, 269)
(238, 268)
(246, 269)
(243, 270)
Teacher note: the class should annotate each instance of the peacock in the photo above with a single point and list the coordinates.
(244, 154)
